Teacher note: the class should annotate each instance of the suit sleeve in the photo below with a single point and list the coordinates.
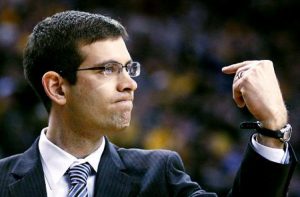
(179, 182)
(258, 176)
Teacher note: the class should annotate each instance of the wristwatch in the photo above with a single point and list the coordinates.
(283, 134)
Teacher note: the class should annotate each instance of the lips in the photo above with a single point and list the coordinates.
(124, 99)
(124, 103)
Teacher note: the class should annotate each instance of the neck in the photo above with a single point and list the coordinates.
(73, 139)
(77, 146)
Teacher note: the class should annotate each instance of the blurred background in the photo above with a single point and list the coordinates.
(184, 102)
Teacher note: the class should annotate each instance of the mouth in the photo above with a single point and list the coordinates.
(125, 99)
(124, 104)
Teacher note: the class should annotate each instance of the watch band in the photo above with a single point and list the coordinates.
(283, 134)
(270, 133)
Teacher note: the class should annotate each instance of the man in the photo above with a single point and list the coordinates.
(80, 67)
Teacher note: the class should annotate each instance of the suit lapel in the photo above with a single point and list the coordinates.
(111, 179)
(28, 177)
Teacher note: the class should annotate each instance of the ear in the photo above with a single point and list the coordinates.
(53, 85)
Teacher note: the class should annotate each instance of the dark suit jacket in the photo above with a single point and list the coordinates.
(135, 172)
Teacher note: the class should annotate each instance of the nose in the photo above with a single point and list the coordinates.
(125, 82)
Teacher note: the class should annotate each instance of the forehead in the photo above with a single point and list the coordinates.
(104, 50)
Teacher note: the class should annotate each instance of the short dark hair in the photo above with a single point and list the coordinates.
(53, 45)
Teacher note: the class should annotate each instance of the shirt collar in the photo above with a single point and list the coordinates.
(53, 156)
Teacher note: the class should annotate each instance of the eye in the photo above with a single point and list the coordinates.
(111, 68)
(102, 69)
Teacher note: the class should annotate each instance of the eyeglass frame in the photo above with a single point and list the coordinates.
(103, 66)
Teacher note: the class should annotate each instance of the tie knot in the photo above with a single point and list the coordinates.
(79, 173)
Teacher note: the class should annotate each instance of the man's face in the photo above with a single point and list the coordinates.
(100, 103)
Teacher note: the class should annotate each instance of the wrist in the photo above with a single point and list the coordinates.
(278, 121)
(272, 138)
(273, 125)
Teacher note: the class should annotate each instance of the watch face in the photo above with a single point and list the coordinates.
(287, 133)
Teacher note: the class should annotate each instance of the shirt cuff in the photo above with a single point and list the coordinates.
(277, 155)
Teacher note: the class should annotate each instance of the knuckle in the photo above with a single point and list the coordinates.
(266, 63)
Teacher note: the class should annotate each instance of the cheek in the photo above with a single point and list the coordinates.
(97, 99)
(94, 100)
(95, 91)
(93, 95)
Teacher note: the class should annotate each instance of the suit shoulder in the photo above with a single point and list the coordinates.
(147, 158)
(8, 162)
(6, 166)
(146, 154)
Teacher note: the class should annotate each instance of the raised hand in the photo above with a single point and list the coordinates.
(255, 86)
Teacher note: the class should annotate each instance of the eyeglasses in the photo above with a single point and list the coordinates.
(114, 68)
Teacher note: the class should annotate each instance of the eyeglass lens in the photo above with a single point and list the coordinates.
(133, 69)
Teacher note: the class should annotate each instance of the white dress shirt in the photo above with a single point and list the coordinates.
(277, 155)
(56, 162)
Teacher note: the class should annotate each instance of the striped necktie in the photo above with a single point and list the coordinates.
(78, 176)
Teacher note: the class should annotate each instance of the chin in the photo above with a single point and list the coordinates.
(122, 127)
(118, 127)
(118, 122)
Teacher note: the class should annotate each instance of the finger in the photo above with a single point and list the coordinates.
(233, 68)
(238, 95)
(238, 75)
(241, 72)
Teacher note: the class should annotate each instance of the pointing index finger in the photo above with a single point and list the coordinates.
(231, 69)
